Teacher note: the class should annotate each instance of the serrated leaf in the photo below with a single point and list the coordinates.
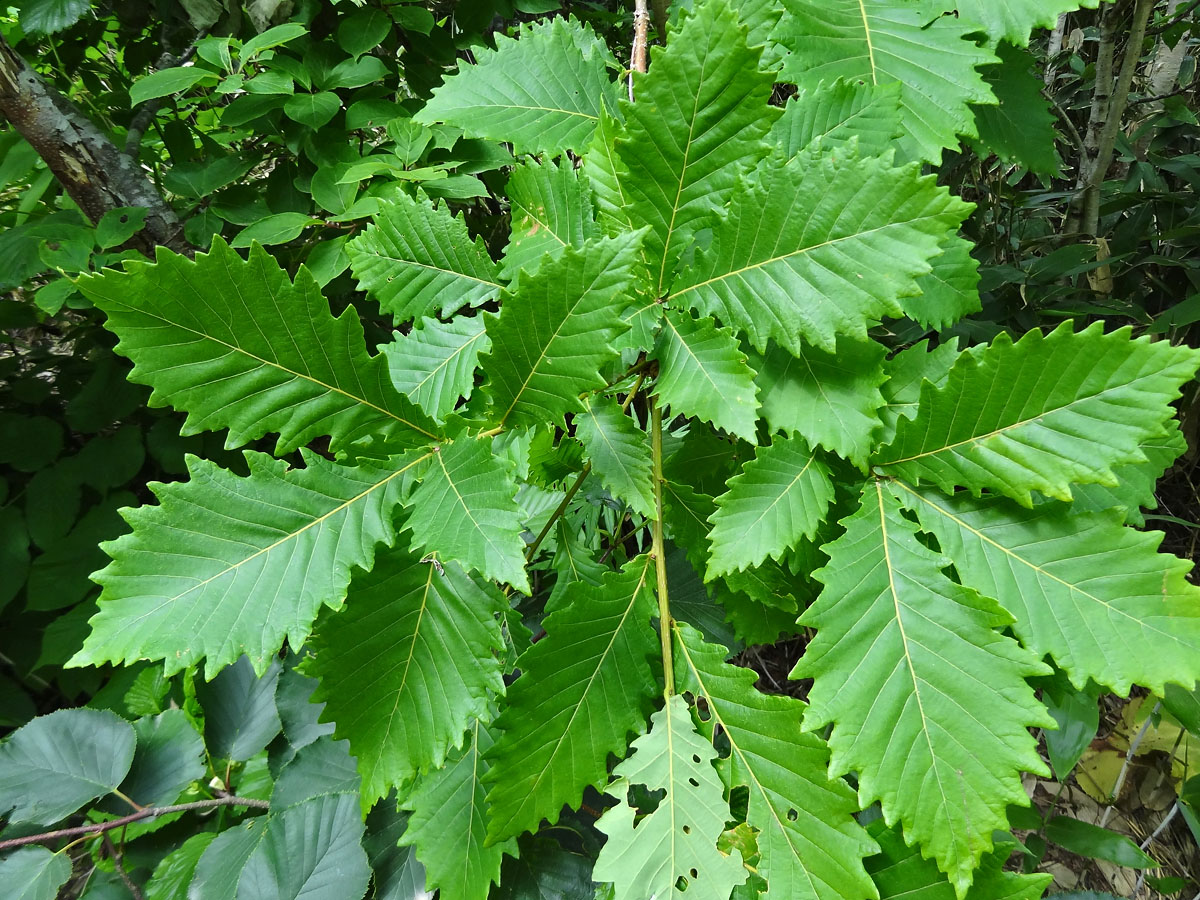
(1042, 413)
(34, 873)
(1135, 482)
(829, 116)
(702, 372)
(780, 497)
(464, 511)
(884, 41)
(572, 562)
(448, 826)
(417, 259)
(950, 291)
(672, 850)
(1020, 127)
(551, 208)
(583, 689)
(832, 400)
(821, 246)
(236, 344)
(698, 123)
(906, 372)
(542, 92)
(555, 332)
(619, 452)
(1012, 20)
(811, 847)
(900, 872)
(434, 364)
(408, 665)
(1085, 589)
(605, 175)
(55, 764)
(214, 571)
(935, 716)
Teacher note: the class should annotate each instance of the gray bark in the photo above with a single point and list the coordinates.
(91, 168)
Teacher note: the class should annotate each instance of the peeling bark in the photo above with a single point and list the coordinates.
(91, 168)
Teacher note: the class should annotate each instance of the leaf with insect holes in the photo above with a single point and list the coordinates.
(619, 452)
(811, 848)
(676, 844)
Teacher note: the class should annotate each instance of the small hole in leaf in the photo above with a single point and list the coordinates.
(681, 884)
(693, 873)
(793, 815)
(693, 782)
(695, 758)
(687, 829)
(124, 219)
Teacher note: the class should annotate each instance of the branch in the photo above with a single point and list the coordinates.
(1172, 19)
(659, 553)
(149, 812)
(641, 30)
(88, 165)
(118, 863)
(147, 111)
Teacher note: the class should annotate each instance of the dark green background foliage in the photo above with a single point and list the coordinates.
(433, 458)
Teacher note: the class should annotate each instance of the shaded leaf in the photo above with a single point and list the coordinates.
(434, 364)
(417, 259)
(780, 497)
(555, 332)
(619, 452)
(448, 825)
(240, 718)
(52, 766)
(464, 511)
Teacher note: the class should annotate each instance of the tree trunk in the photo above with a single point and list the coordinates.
(90, 167)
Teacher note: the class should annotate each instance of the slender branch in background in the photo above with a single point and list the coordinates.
(1174, 15)
(89, 166)
(1129, 755)
(659, 552)
(641, 32)
(148, 110)
(149, 812)
(1106, 45)
(119, 864)
(532, 549)
(1056, 43)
